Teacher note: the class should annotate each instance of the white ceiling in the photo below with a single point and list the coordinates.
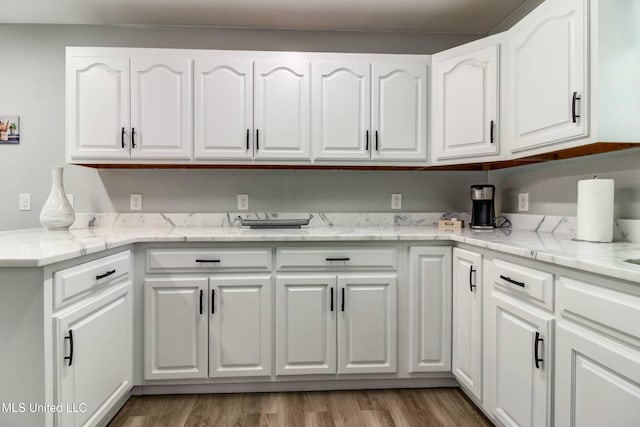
(429, 16)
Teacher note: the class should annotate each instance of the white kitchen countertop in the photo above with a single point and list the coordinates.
(36, 247)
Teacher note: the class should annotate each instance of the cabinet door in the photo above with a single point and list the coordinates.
(430, 334)
(467, 320)
(466, 108)
(98, 107)
(547, 66)
(399, 112)
(175, 339)
(341, 110)
(367, 341)
(306, 307)
(161, 98)
(94, 357)
(223, 111)
(597, 380)
(240, 326)
(522, 385)
(281, 110)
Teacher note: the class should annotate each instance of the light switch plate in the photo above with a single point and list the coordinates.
(396, 201)
(24, 201)
(523, 202)
(136, 202)
(243, 202)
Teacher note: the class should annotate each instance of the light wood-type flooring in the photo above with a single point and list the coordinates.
(371, 408)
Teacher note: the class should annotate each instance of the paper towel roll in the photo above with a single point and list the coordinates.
(595, 210)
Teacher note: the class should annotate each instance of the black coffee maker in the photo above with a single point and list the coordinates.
(483, 214)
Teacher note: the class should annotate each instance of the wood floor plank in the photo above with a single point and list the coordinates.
(366, 408)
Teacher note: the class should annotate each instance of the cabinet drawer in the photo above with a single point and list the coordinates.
(208, 259)
(73, 283)
(525, 283)
(306, 258)
(609, 307)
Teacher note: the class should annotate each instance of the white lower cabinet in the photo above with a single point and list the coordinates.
(329, 323)
(467, 320)
(430, 308)
(597, 380)
(94, 357)
(240, 326)
(175, 311)
(523, 364)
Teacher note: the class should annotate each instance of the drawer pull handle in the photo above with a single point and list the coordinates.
(213, 301)
(342, 307)
(536, 349)
(248, 133)
(201, 295)
(70, 356)
(377, 141)
(492, 136)
(510, 280)
(366, 147)
(471, 284)
(122, 137)
(107, 274)
(331, 298)
(345, 259)
(207, 260)
(574, 100)
(133, 137)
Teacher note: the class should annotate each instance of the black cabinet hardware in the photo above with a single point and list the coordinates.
(471, 284)
(213, 301)
(70, 356)
(133, 137)
(257, 139)
(376, 140)
(122, 137)
(107, 274)
(248, 132)
(366, 147)
(536, 349)
(201, 296)
(207, 260)
(491, 135)
(338, 259)
(510, 280)
(574, 101)
(332, 298)
(342, 302)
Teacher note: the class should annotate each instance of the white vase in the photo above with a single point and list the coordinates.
(57, 213)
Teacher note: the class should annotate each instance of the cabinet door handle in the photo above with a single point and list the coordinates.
(471, 284)
(345, 259)
(366, 146)
(133, 137)
(536, 349)
(491, 132)
(574, 101)
(201, 296)
(107, 274)
(331, 297)
(122, 137)
(257, 139)
(342, 302)
(70, 356)
(510, 280)
(376, 141)
(248, 133)
(213, 301)
(207, 260)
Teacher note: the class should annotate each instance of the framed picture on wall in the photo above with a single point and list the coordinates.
(9, 129)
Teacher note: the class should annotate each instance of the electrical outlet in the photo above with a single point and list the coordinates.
(243, 202)
(396, 201)
(523, 202)
(136, 202)
(24, 201)
(71, 200)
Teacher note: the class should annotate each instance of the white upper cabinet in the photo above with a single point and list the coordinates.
(399, 112)
(341, 110)
(281, 110)
(465, 108)
(161, 98)
(547, 73)
(223, 108)
(97, 124)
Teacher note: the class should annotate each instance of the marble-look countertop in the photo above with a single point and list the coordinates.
(36, 248)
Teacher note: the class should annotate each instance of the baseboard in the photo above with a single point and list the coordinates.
(114, 410)
(477, 403)
(294, 386)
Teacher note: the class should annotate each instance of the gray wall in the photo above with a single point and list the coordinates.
(553, 186)
(32, 81)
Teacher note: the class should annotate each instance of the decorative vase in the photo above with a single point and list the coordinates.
(57, 213)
